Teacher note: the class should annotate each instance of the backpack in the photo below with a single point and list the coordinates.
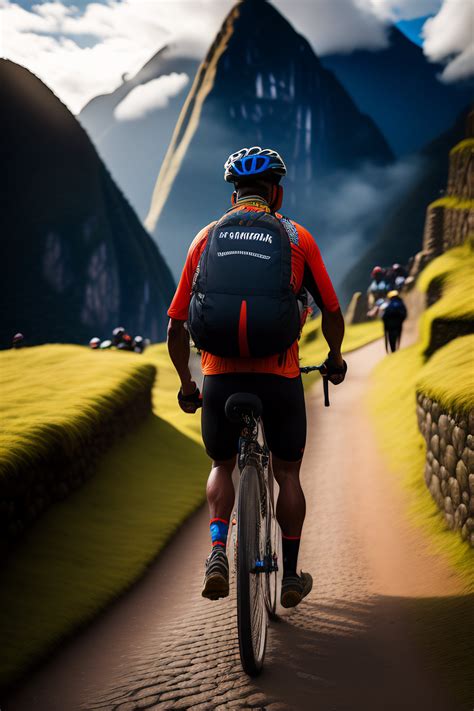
(395, 311)
(242, 303)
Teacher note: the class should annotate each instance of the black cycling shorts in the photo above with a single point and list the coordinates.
(284, 414)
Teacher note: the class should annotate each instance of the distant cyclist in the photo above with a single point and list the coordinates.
(378, 287)
(239, 294)
(18, 340)
(393, 317)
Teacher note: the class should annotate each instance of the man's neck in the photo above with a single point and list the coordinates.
(254, 200)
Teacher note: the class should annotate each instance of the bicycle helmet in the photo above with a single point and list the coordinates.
(255, 161)
(94, 343)
(376, 271)
(139, 344)
(17, 340)
(117, 334)
(392, 294)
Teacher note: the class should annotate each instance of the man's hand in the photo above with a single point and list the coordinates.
(189, 398)
(336, 368)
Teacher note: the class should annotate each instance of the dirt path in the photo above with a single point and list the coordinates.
(352, 645)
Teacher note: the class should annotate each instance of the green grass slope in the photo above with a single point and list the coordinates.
(448, 377)
(93, 545)
(53, 396)
(445, 625)
(454, 390)
(454, 272)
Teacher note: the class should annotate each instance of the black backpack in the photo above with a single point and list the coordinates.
(395, 312)
(242, 303)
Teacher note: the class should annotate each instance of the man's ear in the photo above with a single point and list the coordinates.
(277, 197)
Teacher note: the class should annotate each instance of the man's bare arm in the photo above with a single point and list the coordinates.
(179, 350)
(333, 332)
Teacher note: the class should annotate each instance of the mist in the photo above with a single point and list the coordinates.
(354, 207)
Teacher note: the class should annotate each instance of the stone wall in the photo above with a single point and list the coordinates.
(449, 468)
(34, 485)
(357, 309)
(448, 224)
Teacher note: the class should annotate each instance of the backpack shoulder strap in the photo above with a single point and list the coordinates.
(290, 229)
(200, 270)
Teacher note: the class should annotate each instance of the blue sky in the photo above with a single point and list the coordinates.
(412, 28)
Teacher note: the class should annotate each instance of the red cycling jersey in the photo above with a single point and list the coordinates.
(308, 270)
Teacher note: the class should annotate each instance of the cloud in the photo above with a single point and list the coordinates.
(354, 204)
(80, 52)
(121, 37)
(448, 37)
(145, 98)
(337, 25)
(395, 10)
(346, 25)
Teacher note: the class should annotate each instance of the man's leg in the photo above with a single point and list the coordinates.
(220, 489)
(291, 504)
(393, 335)
(290, 511)
(220, 497)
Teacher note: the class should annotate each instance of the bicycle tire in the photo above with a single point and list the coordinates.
(251, 541)
(274, 547)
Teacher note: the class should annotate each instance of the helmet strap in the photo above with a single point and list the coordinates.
(233, 198)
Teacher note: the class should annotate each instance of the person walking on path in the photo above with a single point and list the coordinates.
(393, 317)
(241, 296)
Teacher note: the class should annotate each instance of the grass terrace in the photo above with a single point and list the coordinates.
(448, 377)
(92, 546)
(445, 624)
(55, 395)
(454, 271)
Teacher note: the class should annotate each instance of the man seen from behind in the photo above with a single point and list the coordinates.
(242, 294)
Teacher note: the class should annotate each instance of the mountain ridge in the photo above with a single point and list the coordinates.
(79, 260)
(245, 93)
(387, 83)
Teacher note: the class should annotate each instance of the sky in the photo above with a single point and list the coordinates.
(81, 49)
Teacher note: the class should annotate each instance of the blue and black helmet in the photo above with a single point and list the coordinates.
(255, 161)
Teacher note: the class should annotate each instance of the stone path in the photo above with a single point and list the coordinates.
(351, 645)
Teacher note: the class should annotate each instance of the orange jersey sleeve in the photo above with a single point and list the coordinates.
(179, 307)
(310, 270)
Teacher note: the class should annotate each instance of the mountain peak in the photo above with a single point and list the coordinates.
(250, 92)
(85, 261)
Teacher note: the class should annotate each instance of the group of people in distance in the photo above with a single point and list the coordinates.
(386, 303)
(121, 340)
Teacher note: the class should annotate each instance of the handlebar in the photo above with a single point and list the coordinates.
(323, 370)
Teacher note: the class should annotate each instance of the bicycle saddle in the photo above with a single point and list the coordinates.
(240, 404)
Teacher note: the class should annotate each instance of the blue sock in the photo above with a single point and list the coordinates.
(219, 529)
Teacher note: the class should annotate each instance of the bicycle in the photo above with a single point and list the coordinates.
(257, 542)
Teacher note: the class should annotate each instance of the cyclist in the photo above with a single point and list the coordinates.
(276, 378)
(378, 287)
(393, 317)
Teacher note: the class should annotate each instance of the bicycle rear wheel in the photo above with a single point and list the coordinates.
(273, 551)
(251, 539)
